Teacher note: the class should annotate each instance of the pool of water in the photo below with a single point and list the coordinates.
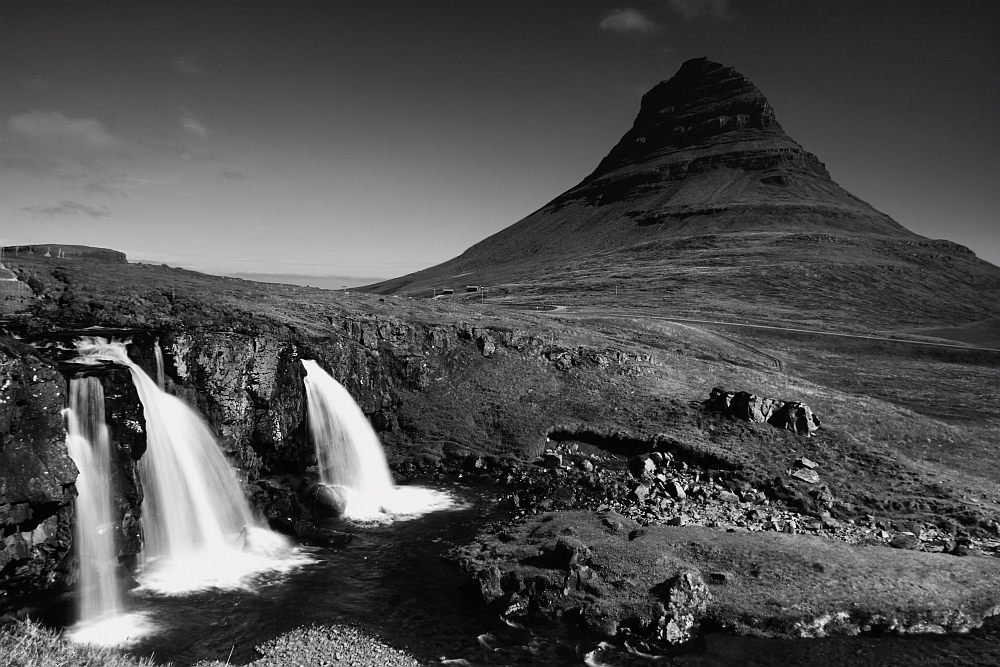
(392, 581)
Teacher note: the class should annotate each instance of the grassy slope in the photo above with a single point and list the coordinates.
(890, 445)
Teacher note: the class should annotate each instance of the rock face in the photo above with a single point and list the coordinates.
(36, 477)
(742, 405)
(658, 582)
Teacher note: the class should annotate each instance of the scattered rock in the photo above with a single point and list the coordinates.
(806, 475)
(552, 460)
(904, 541)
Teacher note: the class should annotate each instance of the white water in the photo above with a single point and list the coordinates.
(101, 619)
(161, 380)
(197, 527)
(349, 455)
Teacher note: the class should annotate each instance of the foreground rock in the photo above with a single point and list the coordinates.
(613, 577)
(36, 477)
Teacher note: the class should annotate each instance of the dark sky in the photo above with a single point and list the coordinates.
(376, 138)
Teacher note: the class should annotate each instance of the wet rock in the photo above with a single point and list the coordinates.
(324, 537)
(36, 478)
(676, 489)
(484, 585)
(327, 500)
(685, 598)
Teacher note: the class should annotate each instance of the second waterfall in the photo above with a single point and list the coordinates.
(350, 457)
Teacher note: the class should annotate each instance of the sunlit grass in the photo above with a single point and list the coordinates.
(29, 644)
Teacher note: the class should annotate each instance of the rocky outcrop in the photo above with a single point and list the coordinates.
(789, 415)
(36, 477)
(612, 577)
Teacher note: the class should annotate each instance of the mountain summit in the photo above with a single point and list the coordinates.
(705, 144)
(706, 192)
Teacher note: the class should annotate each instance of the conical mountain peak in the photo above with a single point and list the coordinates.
(704, 102)
(707, 194)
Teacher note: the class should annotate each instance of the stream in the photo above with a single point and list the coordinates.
(392, 581)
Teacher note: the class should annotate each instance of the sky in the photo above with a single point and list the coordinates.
(347, 141)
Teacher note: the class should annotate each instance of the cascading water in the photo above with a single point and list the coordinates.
(349, 455)
(99, 602)
(161, 379)
(197, 526)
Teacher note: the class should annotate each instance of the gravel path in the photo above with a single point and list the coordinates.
(328, 646)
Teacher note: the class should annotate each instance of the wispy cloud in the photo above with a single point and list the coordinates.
(53, 126)
(235, 175)
(187, 65)
(193, 125)
(628, 20)
(104, 189)
(693, 9)
(68, 208)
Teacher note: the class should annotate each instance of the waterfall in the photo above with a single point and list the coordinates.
(197, 527)
(90, 449)
(99, 602)
(349, 455)
(161, 380)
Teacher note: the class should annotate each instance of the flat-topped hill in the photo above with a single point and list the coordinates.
(66, 251)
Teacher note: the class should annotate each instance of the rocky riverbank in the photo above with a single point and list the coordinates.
(648, 547)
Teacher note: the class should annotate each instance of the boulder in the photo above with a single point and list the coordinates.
(792, 415)
(795, 416)
(327, 500)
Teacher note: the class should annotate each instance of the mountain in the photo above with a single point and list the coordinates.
(707, 207)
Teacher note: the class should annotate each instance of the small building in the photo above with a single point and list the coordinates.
(447, 290)
(473, 288)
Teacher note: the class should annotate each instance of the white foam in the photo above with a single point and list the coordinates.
(117, 630)
(251, 556)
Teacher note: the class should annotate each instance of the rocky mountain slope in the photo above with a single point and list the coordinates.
(706, 206)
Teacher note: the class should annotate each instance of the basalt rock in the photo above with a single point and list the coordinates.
(789, 415)
(36, 479)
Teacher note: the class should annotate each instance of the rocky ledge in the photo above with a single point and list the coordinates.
(651, 546)
(615, 578)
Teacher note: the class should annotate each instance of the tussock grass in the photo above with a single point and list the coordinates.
(29, 644)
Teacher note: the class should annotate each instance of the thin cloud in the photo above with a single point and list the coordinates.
(193, 125)
(694, 9)
(54, 126)
(235, 175)
(68, 208)
(102, 189)
(628, 20)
